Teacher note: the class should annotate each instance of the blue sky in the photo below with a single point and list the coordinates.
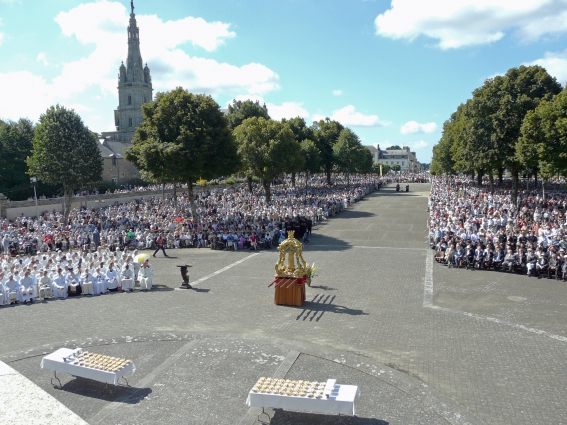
(393, 71)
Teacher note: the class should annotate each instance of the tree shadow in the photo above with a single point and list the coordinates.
(353, 214)
(101, 391)
(326, 243)
(284, 417)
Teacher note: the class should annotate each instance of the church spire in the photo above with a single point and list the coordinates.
(134, 63)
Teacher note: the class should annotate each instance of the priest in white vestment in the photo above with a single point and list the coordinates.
(99, 282)
(13, 290)
(27, 285)
(86, 281)
(127, 278)
(112, 282)
(45, 285)
(145, 276)
(60, 285)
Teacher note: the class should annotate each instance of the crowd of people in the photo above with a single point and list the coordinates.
(55, 274)
(96, 251)
(229, 218)
(471, 227)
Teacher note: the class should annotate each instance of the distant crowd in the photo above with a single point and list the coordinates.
(230, 218)
(471, 227)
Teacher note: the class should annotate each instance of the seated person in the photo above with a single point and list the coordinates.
(498, 259)
(27, 287)
(13, 290)
(542, 266)
(112, 282)
(87, 282)
(45, 285)
(459, 254)
(145, 276)
(73, 284)
(509, 261)
(127, 278)
(553, 267)
(60, 285)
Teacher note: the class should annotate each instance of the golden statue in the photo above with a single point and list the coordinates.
(294, 249)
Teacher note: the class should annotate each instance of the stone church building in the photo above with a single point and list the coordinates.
(134, 89)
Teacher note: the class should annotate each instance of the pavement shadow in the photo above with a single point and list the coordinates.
(205, 290)
(114, 393)
(353, 214)
(160, 288)
(321, 304)
(283, 417)
(323, 287)
(326, 243)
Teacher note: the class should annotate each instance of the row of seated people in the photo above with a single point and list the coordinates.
(61, 283)
(540, 262)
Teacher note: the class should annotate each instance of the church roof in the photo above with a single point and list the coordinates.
(110, 147)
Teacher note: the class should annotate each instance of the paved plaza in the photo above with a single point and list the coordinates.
(425, 344)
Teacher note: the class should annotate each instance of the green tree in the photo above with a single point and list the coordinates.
(519, 91)
(184, 137)
(267, 148)
(326, 135)
(65, 151)
(16, 143)
(376, 168)
(394, 147)
(241, 110)
(442, 161)
(365, 166)
(349, 154)
(312, 158)
(396, 167)
(544, 138)
(301, 132)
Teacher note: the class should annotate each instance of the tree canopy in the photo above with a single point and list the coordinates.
(394, 147)
(483, 133)
(65, 151)
(184, 137)
(349, 154)
(326, 134)
(241, 110)
(16, 143)
(268, 148)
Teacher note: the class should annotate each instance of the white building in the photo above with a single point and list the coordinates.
(406, 159)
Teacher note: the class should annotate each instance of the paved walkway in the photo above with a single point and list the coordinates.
(379, 314)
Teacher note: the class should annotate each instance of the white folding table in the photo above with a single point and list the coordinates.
(62, 361)
(340, 400)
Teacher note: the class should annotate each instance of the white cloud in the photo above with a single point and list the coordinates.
(472, 22)
(413, 127)
(348, 116)
(101, 26)
(42, 58)
(555, 63)
(419, 145)
(337, 92)
(277, 112)
(287, 110)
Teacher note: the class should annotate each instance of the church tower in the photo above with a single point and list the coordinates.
(134, 86)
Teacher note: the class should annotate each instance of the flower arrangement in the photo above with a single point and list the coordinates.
(310, 272)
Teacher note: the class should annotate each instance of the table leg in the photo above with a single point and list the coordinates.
(55, 377)
(262, 414)
(122, 377)
(339, 421)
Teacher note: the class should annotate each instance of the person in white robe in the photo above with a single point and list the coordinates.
(3, 295)
(45, 285)
(27, 285)
(13, 289)
(86, 281)
(127, 277)
(60, 285)
(74, 286)
(145, 276)
(99, 282)
(112, 282)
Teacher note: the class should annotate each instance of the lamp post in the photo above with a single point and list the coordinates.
(33, 183)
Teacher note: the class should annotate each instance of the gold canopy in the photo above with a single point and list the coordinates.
(296, 266)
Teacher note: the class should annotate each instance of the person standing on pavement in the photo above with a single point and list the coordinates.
(160, 244)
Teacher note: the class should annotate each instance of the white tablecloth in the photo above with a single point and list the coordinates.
(55, 362)
(341, 400)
